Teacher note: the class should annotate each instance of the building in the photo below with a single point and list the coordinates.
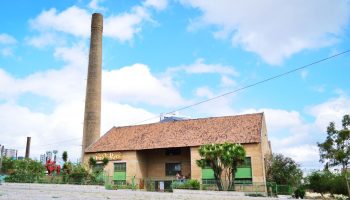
(159, 151)
(10, 153)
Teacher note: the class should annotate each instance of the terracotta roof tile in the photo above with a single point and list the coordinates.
(193, 132)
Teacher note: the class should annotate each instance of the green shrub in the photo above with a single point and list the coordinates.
(79, 175)
(189, 185)
(24, 171)
(299, 193)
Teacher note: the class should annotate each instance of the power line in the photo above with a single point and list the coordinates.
(236, 90)
(251, 85)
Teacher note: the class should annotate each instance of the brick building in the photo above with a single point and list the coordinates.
(161, 150)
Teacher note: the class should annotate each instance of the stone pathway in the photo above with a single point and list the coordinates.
(16, 191)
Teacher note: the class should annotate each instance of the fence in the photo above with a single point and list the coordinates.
(163, 184)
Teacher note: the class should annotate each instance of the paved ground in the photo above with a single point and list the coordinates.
(16, 191)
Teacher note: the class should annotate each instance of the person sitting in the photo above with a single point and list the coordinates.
(178, 176)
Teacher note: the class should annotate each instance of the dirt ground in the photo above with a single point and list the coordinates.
(19, 191)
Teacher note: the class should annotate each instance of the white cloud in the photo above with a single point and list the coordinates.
(124, 26)
(7, 43)
(303, 153)
(275, 30)
(7, 39)
(6, 52)
(46, 39)
(199, 67)
(204, 92)
(157, 4)
(227, 81)
(66, 87)
(74, 20)
(332, 110)
(136, 84)
(94, 4)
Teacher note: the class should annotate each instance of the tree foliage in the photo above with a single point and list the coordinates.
(336, 148)
(326, 182)
(222, 158)
(283, 170)
(24, 171)
(320, 181)
(65, 156)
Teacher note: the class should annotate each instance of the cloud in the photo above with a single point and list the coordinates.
(275, 30)
(63, 120)
(123, 27)
(76, 21)
(199, 67)
(46, 39)
(7, 39)
(227, 81)
(7, 43)
(136, 84)
(303, 153)
(157, 4)
(6, 52)
(94, 4)
(332, 110)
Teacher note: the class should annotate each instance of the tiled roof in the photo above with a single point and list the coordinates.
(194, 132)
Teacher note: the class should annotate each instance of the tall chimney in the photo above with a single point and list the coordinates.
(28, 147)
(92, 115)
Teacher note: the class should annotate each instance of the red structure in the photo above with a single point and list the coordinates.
(51, 167)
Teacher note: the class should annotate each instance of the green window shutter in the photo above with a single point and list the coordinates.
(119, 176)
(119, 171)
(208, 173)
(244, 172)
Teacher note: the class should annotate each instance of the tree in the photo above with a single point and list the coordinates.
(336, 148)
(92, 162)
(283, 170)
(320, 181)
(222, 158)
(24, 171)
(65, 156)
(105, 161)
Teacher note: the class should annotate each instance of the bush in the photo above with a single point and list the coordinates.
(189, 185)
(327, 182)
(79, 175)
(299, 193)
(24, 171)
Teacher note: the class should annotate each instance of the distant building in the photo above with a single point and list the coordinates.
(159, 151)
(11, 153)
(43, 158)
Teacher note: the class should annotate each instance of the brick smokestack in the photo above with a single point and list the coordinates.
(92, 115)
(28, 147)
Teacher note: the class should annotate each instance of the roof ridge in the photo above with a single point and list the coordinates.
(194, 119)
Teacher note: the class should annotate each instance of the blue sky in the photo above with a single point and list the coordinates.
(161, 55)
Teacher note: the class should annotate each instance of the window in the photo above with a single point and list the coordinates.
(246, 163)
(98, 167)
(173, 151)
(119, 173)
(119, 167)
(172, 168)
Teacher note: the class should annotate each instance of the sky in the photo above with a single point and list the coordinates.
(161, 55)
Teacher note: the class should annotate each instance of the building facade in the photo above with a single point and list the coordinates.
(160, 151)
